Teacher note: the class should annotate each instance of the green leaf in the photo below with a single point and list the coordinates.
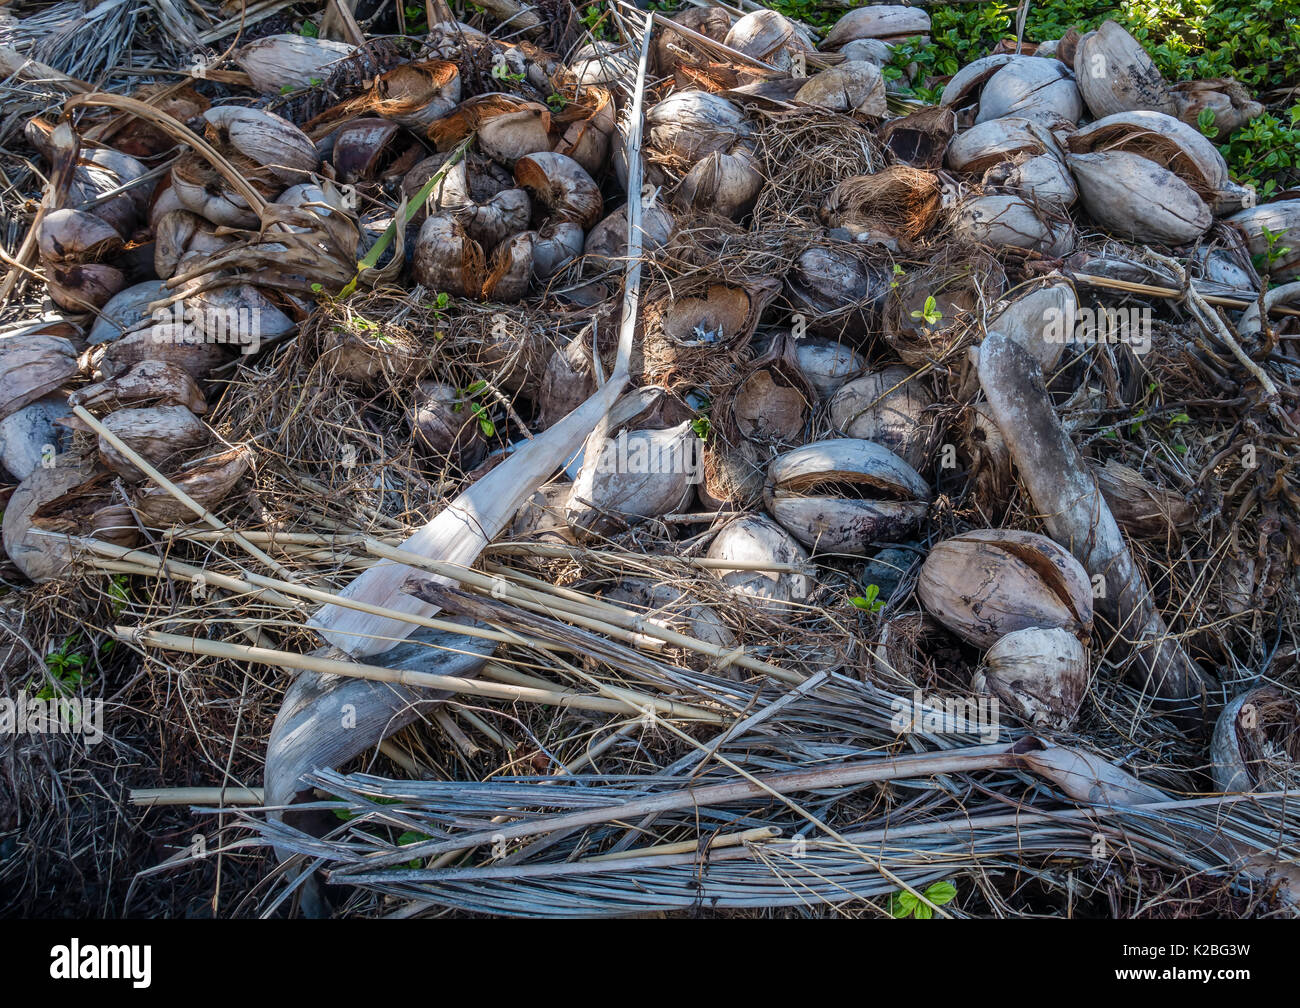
(941, 892)
(309, 30)
(1205, 122)
(903, 904)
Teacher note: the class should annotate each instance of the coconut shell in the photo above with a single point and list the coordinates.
(827, 363)
(201, 189)
(75, 236)
(41, 557)
(1032, 88)
(884, 21)
(362, 147)
(151, 382)
(1010, 222)
(856, 86)
(266, 139)
(1039, 675)
(292, 61)
(670, 608)
(1042, 320)
(1115, 74)
(1232, 105)
(29, 436)
(445, 427)
(636, 475)
(447, 259)
(587, 138)
(989, 456)
(994, 141)
(843, 495)
(508, 127)
(772, 400)
(562, 186)
(558, 243)
(985, 584)
(155, 432)
(963, 87)
(92, 508)
(768, 36)
(1172, 144)
(178, 235)
(1256, 742)
(889, 408)
(510, 270)
(181, 346)
(125, 311)
(733, 473)
(606, 243)
(1137, 199)
(417, 95)
(1282, 219)
(723, 183)
(689, 125)
(673, 48)
(1144, 511)
(208, 481)
(542, 517)
(758, 539)
(836, 286)
(31, 366)
(1042, 179)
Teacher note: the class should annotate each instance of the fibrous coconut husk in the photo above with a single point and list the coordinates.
(898, 201)
(699, 327)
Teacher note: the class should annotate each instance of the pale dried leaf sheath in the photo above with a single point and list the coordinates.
(1077, 517)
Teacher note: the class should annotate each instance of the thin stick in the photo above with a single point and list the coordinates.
(153, 797)
(404, 677)
(756, 835)
(703, 41)
(1151, 290)
(578, 554)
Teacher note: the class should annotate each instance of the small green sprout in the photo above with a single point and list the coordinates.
(930, 313)
(869, 600)
(904, 904)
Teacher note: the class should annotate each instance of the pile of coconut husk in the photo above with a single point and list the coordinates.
(510, 469)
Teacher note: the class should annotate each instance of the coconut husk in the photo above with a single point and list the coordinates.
(694, 331)
(93, 508)
(1143, 510)
(208, 481)
(898, 201)
(963, 283)
(407, 91)
(920, 138)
